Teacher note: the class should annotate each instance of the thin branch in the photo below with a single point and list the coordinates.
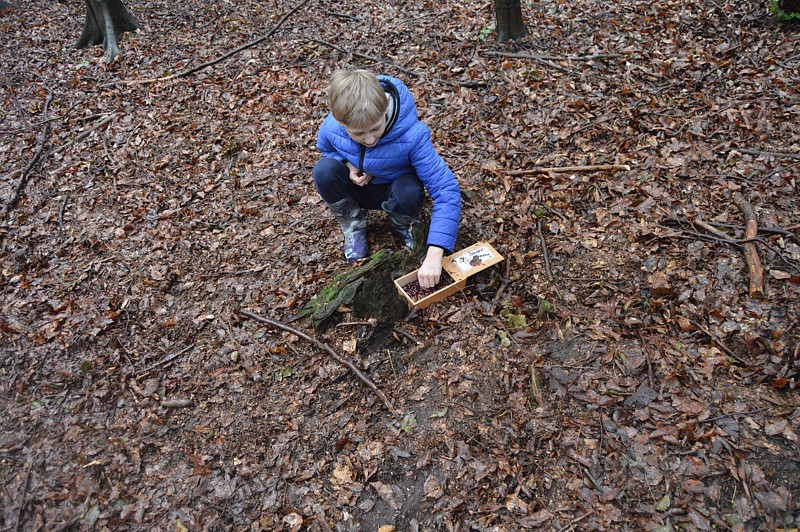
(367, 57)
(719, 343)
(333, 354)
(538, 59)
(503, 286)
(766, 230)
(715, 235)
(166, 360)
(82, 136)
(342, 15)
(769, 153)
(24, 495)
(544, 57)
(37, 156)
(223, 57)
(754, 268)
(575, 521)
(565, 169)
(548, 270)
(401, 332)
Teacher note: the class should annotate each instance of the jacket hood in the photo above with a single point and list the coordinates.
(406, 108)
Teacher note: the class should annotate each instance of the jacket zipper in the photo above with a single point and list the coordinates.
(361, 160)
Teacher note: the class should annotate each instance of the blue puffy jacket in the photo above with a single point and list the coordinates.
(405, 148)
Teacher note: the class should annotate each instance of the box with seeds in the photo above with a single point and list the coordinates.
(456, 268)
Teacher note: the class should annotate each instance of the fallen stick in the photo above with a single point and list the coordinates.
(333, 354)
(223, 57)
(719, 343)
(548, 270)
(37, 156)
(367, 57)
(82, 135)
(769, 153)
(538, 59)
(564, 169)
(705, 226)
(754, 268)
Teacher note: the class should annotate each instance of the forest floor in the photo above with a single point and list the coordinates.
(615, 372)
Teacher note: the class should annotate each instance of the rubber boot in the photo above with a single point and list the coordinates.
(402, 226)
(354, 227)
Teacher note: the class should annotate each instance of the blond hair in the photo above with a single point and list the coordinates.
(356, 98)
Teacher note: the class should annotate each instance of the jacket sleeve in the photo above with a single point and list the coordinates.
(443, 189)
(324, 143)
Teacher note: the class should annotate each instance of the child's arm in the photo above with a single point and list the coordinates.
(444, 190)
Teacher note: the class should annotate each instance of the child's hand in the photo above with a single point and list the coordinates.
(431, 270)
(357, 177)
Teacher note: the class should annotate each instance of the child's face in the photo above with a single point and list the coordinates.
(368, 135)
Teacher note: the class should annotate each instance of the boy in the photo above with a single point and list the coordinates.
(376, 154)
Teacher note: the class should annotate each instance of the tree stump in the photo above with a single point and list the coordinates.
(367, 287)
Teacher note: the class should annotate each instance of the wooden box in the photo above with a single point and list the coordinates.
(459, 266)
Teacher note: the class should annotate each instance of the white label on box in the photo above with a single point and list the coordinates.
(473, 258)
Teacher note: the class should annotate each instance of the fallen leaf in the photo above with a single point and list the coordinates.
(389, 493)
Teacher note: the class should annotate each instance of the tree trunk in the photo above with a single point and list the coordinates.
(510, 25)
(105, 21)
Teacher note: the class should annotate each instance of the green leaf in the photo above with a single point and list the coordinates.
(505, 341)
(86, 365)
(663, 503)
(515, 321)
(409, 423)
(439, 412)
(284, 373)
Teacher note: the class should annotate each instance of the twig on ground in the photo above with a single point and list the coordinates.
(61, 211)
(715, 235)
(766, 230)
(575, 521)
(166, 360)
(342, 15)
(223, 57)
(777, 170)
(176, 403)
(546, 57)
(401, 332)
(770, 153)
(713, 230)
(565, 169)
(503, 286)
(646, 351)
(548, 270)
(37, 156)
(538, 59)
(733, 414)
(82, 136)
(536, 388)
(749, 249)
(24, 495)
(367, 57)
(232, 273)
(719, 343)
(333, 354)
